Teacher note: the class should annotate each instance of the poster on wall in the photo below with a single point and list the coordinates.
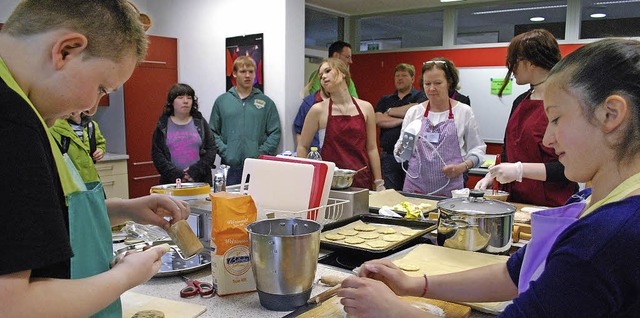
(245, 45)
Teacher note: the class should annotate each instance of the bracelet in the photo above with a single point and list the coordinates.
(426, 286)
(466, 165)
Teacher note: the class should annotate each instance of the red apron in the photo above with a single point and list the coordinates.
(424, 174)
(345, 144)
(524, 134)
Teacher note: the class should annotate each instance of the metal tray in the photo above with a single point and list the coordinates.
(422, 226)
(172, 263)
(374, 209)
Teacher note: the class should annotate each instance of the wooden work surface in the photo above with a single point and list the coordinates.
(134, 302)
(332, 308)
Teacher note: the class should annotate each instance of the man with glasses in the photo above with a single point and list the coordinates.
(340, 50)
(390, 112)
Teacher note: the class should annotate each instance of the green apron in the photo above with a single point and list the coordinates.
(89, 227)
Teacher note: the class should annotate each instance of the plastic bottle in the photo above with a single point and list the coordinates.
(314, 154)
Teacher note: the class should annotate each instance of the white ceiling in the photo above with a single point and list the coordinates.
(365, 7)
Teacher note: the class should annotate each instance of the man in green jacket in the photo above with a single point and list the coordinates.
(79, 137)
(245, 122)
(340, 50)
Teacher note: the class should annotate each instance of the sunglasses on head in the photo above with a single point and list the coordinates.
(435, 62)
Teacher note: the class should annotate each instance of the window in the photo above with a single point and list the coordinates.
(321, 29)
(500, 23)
(390, 32)
(600, 19)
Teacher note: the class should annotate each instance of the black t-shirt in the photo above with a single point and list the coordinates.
(389, 136)
(34, 228)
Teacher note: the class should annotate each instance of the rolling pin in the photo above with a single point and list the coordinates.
(187, 241)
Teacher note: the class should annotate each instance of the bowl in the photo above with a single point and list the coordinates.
(496, 195)
(342, 178)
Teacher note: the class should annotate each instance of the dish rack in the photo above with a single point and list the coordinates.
(324, 214)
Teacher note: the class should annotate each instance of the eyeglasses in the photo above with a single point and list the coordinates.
(348, 57)
(435, 62)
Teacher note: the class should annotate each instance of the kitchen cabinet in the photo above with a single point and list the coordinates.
(113, 174)
(145, 95)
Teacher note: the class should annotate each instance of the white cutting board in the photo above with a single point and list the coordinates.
(133, 302)
(331, 167)
(276, 185)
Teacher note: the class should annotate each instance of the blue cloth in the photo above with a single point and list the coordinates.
(389, 136)
(592, 269)
(391, 171)
(307, 102)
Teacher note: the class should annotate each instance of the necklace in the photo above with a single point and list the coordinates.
(533, 86)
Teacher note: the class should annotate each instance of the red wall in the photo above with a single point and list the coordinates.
(373, 72)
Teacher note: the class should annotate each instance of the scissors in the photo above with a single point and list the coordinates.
(195, 287)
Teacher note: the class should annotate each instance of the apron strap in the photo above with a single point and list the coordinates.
(426, 113)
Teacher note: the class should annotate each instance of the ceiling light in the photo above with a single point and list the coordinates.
(443, 1)
(536, 19)
(598, 15)
(521, 9)
(616, 2)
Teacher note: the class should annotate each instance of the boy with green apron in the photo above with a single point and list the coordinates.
(55, 234)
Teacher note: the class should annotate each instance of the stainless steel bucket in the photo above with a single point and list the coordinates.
(284, 257)
(475, 224)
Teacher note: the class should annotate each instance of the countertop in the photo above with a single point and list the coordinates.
(109, 156)
(242, 305)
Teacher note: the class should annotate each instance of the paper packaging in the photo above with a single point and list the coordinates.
(230, 255)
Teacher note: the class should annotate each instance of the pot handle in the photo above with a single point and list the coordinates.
(456, 224)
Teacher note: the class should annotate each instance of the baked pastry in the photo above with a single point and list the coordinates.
(148, 314)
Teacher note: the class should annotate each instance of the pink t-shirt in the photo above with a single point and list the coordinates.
(184, 143)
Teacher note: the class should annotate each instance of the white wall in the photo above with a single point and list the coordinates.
(202, 26)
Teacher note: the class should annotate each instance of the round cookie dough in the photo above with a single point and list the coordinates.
(386, 230)
(348, 232)
(354, 240)
(368, 235)
(365, 228)
(408, 232)
(377, 243)
(409, 267)
(393, 238)
(334, 237)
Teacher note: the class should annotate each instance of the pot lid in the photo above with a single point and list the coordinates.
(186, 189)
(477, 205)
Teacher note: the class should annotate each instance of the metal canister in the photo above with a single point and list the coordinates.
(218, 183)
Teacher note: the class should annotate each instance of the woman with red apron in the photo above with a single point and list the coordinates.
(529, 171)
(345, 144)
(350, 139)
(436, 147)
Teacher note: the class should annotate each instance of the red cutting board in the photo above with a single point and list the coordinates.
(320, 170)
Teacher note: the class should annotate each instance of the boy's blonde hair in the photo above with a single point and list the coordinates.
(112, 28)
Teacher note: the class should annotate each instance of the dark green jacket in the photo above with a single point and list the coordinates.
(244, 129)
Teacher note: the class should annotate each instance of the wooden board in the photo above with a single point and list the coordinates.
(133, 302)
(436, 260)
(332, 308)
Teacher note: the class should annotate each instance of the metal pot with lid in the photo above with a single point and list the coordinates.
(476, 224)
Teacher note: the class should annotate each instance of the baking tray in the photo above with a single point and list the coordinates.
(422, 226)
(172, 263)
